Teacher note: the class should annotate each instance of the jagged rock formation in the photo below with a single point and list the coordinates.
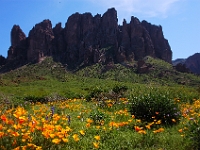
(190, 64)
(88, 39)
(40, 41)
(2, 60)
(18, 48)
(182, 68)
(193, 63)
(161, 45)
(179, 60)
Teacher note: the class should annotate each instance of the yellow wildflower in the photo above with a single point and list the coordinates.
(96, 144)
(97, 137)
(142, 132)
(75, 137)
(173, 120)
(180, 130)
(52, 135)
(15, 134)
(89, 120)
(159, 130)
(82, 132)
(56, 141)
(65, 140)
(158, 122)
(88, 125)
(97, 127)
(133, 116)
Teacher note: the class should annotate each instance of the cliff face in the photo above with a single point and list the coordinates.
(190, 64)
(2, 60)
(18, 48)
(40, 41)
(88, 39)
(193, 63)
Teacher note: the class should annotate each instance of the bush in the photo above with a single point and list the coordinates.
(153, 107)
(95, 93)
(119, 89)
(35, 99)
(98, 117)
(194, 133)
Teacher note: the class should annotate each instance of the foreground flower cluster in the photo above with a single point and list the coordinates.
(67, 123)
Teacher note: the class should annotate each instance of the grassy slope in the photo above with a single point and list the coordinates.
(49, 78)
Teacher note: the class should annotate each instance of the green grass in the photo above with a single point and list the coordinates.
(124, 137)
(50, 79)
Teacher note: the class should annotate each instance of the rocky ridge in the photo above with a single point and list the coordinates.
(193, 63)
(87, 40)
(190, 64)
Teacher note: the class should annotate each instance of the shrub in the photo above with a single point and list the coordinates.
(153, 107)
(119, 89)
(35, 99)
(98, 117)
(95, 93)
(117, 92)
(193, 132)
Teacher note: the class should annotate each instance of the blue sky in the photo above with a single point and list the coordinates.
(180, 19)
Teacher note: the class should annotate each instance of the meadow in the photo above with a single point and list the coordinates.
(79, 124)
(50, 109)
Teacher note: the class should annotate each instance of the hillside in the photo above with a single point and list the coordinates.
(86, 40)
(192, 63)
(49, 78)
(146, 71)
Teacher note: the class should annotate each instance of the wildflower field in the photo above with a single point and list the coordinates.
(101, 124)
(53, 109)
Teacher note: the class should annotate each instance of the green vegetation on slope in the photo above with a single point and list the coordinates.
(50, 79)
(105, 111)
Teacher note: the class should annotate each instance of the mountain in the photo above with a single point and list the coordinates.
(2, 60)
(179, 60)
(86, 40)
(192, 63)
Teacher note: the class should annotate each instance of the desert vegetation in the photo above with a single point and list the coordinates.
(43, 106)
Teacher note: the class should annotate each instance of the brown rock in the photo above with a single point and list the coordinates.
(2, 60)
(182, 68)
(124, 52)
(17, 50)
(143, 67)
(40, 41)
(58, 43)
(109, 29)
(193, 63)
(141, 43)
(86, 40)
(17, 35)
(161, 45)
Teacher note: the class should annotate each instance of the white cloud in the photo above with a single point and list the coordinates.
(147, 8)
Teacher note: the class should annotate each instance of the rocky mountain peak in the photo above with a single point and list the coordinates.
(2, 60)
(17, 35)
(39, 41)
(193, 63)
(88, 39)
